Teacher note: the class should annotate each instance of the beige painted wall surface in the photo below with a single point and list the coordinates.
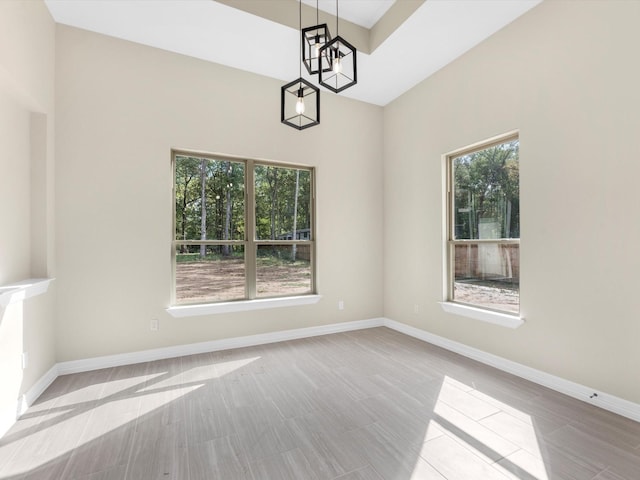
(27, 35)
(566, 75)
(121, 108)
(14, 187)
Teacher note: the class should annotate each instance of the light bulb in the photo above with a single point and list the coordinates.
(316, 46)
(337, 65)
(300, 106)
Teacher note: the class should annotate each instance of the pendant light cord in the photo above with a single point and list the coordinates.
(337, 20)
(300, 46)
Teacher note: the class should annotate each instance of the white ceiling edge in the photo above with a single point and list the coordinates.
(198, 28)
(365, 13)
(436, 34)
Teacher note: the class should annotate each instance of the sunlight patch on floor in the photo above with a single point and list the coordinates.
(497, 433)
(109, 409)
(99, 390)
(118, 386)
(215, 370)
(100, 421)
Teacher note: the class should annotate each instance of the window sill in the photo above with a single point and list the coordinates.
(241, 306)
(497, 318)
(22, 290)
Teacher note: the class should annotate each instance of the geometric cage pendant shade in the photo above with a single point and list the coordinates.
(313, 39)
(300, 104)
(300, 100)
(342, 68)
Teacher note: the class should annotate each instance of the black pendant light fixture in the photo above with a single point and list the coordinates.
(341, 57)
(300, 100)
(313, 39)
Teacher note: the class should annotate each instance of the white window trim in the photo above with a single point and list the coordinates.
(250, 245)
(477, 313)
(241, 306)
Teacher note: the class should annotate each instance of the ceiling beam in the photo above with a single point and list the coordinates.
(285, 12)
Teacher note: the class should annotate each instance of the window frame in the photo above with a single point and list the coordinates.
(450, 304)
(250, 242)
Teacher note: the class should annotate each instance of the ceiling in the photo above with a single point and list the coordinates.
(435, 34)
(361, 12)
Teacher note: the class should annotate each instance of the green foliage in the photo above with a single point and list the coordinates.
(224, 205)
(191, 253)
(275, 189)
(223, 199)
(268, 261)
(187, 257)
(210, 205)
(187, 196)
(272, 255)
(487, 193)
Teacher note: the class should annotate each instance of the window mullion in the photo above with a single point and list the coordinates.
(217, 276)
(250, 214)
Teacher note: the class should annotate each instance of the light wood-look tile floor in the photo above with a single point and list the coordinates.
(367, 405)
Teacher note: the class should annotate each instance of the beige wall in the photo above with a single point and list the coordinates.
(566, 75)
(27, 35)
(121, 108)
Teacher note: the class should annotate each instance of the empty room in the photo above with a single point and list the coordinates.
(290, 239)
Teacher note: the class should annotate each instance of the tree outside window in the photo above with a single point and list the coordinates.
(484, 226)
(243, 229)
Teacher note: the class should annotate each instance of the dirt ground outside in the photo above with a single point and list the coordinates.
(222, 280)
(506, 299)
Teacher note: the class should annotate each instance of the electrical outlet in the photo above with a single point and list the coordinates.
(154, 326)
(416, 308)
(340, 305)
(25, 360)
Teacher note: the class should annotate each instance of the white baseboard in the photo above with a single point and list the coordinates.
(36, 390)
(76, 366)
(603, 400)
(9, 416)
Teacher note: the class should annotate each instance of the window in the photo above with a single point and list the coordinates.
(484, 226)
(243, 229)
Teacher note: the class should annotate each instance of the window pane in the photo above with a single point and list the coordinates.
(283, 203)
(488, 275)
(209, 199)
(486, 193)
(283, 270)
(209, 273)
